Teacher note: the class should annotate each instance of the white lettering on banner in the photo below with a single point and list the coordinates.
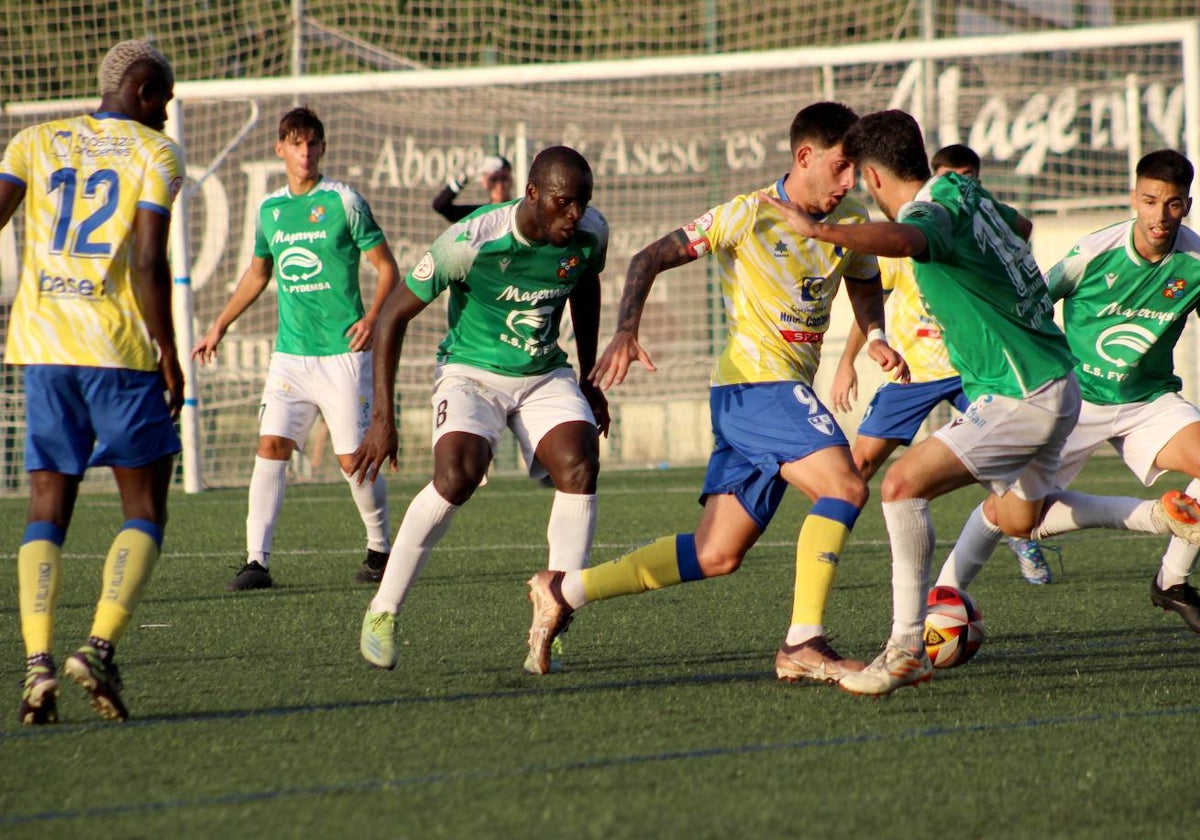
(1046, 123)
(661, 155)
(403, 163)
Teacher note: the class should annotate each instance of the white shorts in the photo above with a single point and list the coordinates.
(1009, 444)
(298, 387)
(1138, 431)
(470, 399)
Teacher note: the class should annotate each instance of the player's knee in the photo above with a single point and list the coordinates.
(896, 486)
(456, 482)
(715, 562)
(575, 471)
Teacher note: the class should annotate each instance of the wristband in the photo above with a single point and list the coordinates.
(455, 185)
(876, 335)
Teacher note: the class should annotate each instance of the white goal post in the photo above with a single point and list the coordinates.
(1057, 117)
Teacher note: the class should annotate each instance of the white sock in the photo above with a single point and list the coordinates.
(268, 481)
(572, 590)
(1180, 557)
(570, 530)
(425, 522)
(975, 545)
(910, 531)
(372, 504)
(1068, 511)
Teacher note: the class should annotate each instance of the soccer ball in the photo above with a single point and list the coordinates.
(953, 627)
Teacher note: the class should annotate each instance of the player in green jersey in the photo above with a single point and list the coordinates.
(973, 269)
(898, 409)
(510, 270)
(310, 236)
(1127, 291)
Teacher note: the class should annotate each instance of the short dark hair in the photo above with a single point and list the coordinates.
(554, 157)
(1168, 166)
(955, 156)
(822, 123)
(889, 139)
(302, 120)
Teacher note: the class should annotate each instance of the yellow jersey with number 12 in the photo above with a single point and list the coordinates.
(85, 179)
(778, 286)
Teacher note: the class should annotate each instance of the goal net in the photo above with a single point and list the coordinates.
(1057, 118)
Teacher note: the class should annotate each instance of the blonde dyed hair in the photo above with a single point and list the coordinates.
(126, 54)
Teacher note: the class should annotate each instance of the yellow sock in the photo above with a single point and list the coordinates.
(664, 562)
(39, 577)
(126, 571)
(822, 537)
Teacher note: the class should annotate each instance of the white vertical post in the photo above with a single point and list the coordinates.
(1191, 93)
(181, 310)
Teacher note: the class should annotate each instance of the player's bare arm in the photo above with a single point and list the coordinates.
(380, 443)
(883, 239)
(585, 315)
(362, 331)
(11, 196)
(844, 389)
(151, 275)
(623, 348)
(251, 284)
(866, 299)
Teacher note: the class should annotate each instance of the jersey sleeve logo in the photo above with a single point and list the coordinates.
(424, 270)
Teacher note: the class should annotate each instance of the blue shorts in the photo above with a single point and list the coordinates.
(757, 428)
(897, 410)
(80, 417)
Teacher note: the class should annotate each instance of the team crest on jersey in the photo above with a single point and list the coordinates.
(567, 266)
(60, 145)
(1174, 287)
(823, 423)
(317, 214)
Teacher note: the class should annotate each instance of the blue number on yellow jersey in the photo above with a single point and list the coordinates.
(85, 179)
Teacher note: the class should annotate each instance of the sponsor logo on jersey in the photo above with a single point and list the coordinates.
(299, 236)
(275, 214)
(536, 296)
(798, 337)
(1110, 277)
(1174, 287)
(55, 286)
(781, 249)
(424, 270)
(317, 214)
(298, 265)
(1124, 344)
(504, 263)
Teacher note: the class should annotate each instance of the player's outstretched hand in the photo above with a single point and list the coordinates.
(380, 444)
(797, 219)
(889, 360)
(614, 362)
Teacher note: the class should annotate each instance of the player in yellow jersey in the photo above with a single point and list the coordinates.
(92, 325)
(771, 430)
(898, 409)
